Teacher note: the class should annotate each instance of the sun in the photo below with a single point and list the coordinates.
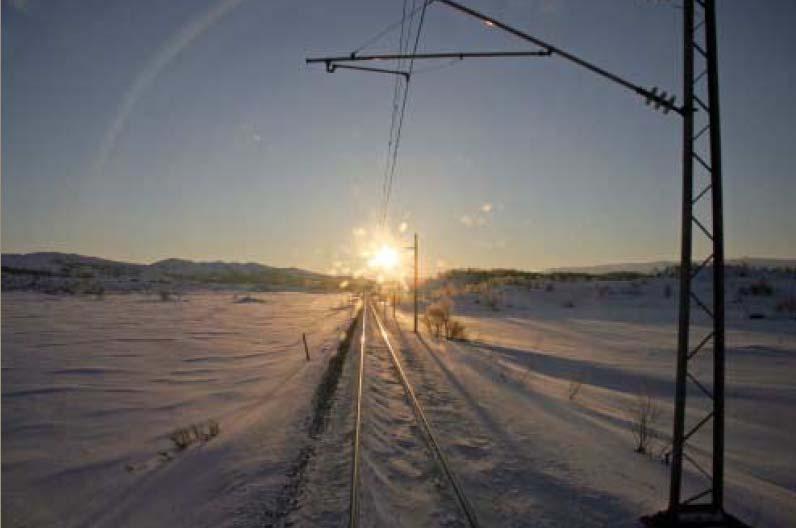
(386, 258)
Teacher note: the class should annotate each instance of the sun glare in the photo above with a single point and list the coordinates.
(386, 258)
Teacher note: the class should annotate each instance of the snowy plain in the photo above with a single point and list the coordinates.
(92, 389)
(533, 455)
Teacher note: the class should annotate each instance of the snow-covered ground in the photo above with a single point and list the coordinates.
(531, 455)
(92, 389)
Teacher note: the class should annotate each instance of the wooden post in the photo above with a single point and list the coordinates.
(306, 348)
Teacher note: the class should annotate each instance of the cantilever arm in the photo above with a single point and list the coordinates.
(331, 67)
(333, 63)
(652, 96)
(419, 56)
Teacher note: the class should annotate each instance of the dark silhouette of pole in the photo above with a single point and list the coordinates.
(415, 283)
(685, 259)
(691, 511)
(718, 255)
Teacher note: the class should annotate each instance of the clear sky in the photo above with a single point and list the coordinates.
(192, 128)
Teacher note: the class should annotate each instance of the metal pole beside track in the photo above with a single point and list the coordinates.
(415, 283)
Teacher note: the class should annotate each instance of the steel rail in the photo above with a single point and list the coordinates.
(467, 509)
(353, 509)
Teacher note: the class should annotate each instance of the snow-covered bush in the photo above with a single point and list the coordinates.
(438, 315)
(438, 321)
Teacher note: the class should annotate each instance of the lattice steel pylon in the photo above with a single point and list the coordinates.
(702, 183)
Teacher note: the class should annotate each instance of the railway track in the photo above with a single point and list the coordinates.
(428, 434)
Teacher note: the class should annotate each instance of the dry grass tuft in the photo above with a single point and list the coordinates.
(456, 331)
(787, 305)
(574, 389)
(643, 415)
(185, 437)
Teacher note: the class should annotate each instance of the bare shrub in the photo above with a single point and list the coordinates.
(427, 323)
(449, 290)
(184, 437)
(438, 316)
(439, 323)
(759, 288)
(574, 389)
(491, 298)
(247, 299)
(643, 415)
(94, 288)
(165, 295)
(634, 288)
(667, 291)
(787, 305)
(456, 331)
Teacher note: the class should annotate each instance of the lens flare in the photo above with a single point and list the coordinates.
(386, 258)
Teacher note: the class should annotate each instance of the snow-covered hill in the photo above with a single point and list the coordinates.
(656, 266)
(71, 273)
(66, 263)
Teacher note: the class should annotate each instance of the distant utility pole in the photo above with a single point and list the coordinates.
(415, 247)
(701, 102)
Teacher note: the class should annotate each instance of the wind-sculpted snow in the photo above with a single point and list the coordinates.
(92, 389)
(532, 452)
(534, 411)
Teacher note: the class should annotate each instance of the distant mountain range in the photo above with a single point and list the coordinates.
(55, 270)
(651, 267)
(66, 272)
